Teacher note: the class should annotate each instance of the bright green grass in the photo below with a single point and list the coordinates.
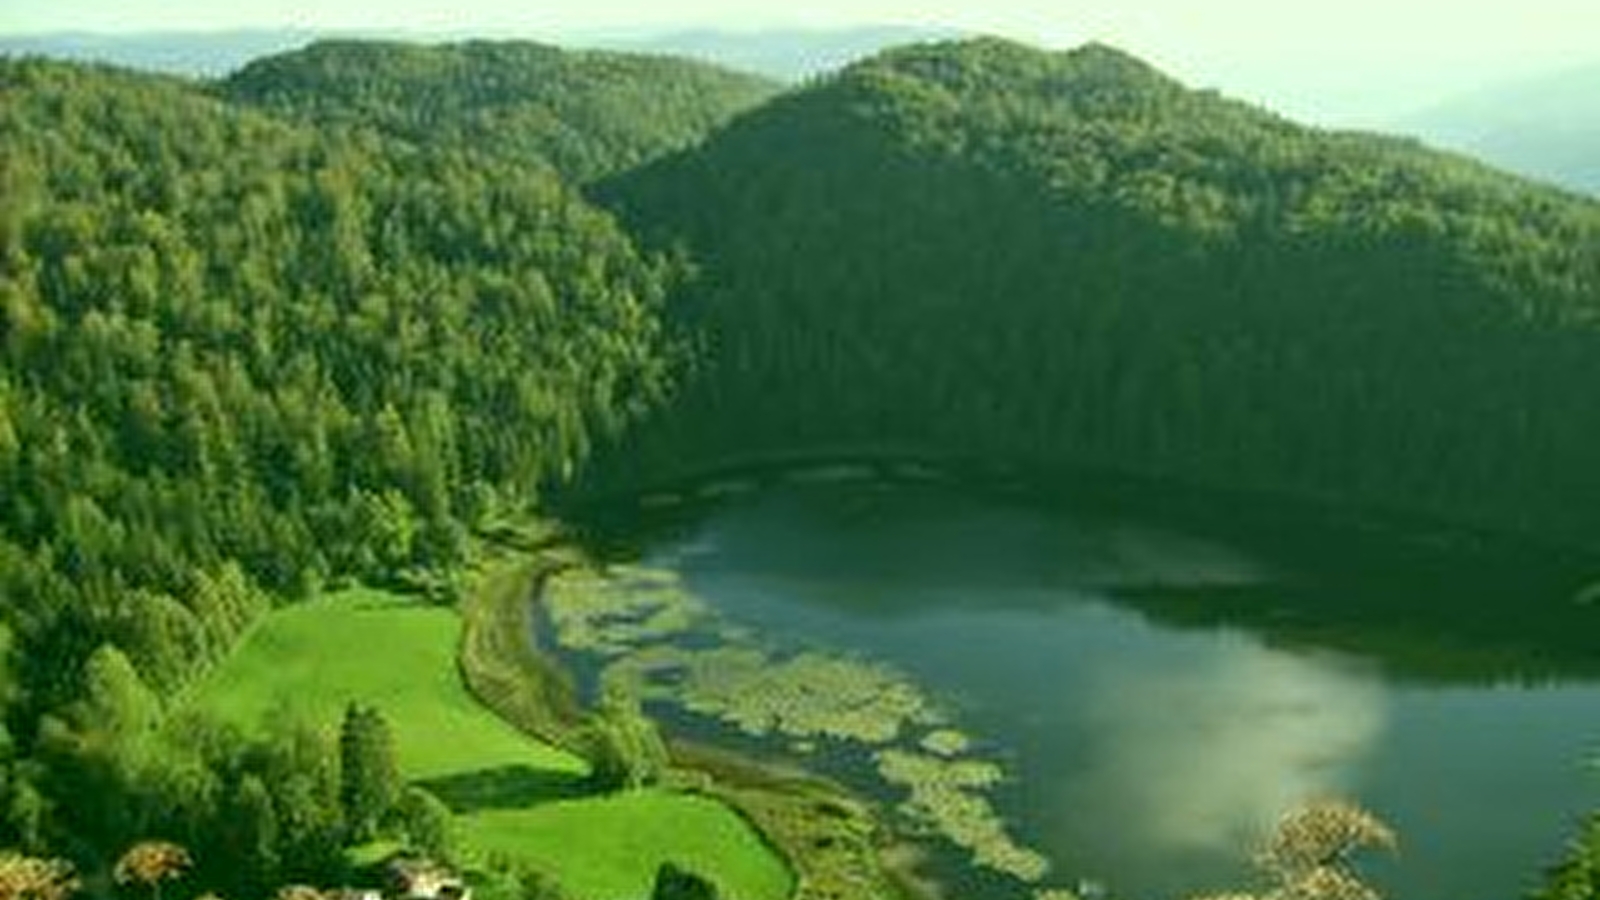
(592, 846)
(380, 649)
(377, 648)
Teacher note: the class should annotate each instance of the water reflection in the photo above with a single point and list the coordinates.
(952, 548)
(1201, 752)
(1163, 698)
(894, 552)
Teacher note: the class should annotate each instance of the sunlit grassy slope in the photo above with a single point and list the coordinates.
(603, 840)
(362, 645)
(372, 647)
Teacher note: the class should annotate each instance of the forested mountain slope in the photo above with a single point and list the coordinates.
(238, 358)
(318, 322)
(589, 113)
(980, 249)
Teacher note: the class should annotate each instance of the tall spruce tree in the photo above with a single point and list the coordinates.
(370, 779)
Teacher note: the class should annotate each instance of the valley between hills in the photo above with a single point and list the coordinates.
(375, 420)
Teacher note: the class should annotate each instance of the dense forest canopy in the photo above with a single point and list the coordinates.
(589, 113)
(240, 357)
(322, 320)
(984, 250)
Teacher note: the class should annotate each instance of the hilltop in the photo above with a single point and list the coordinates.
(588, 113)
(982, 250)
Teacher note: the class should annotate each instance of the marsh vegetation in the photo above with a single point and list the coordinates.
(651, 637)
(1049, 697)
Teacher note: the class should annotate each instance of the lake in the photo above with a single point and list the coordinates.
(1151, 698)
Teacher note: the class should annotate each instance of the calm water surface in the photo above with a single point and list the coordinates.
(1149, 755)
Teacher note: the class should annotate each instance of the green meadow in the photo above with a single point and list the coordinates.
(609, 847)
(512, 795)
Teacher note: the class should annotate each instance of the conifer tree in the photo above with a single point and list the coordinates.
(369, 777)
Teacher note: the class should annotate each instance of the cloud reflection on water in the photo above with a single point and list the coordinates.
(1201, 751)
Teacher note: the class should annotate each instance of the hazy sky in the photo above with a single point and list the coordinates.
(1338, 59)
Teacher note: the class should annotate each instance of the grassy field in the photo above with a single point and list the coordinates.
(596, 844)
(512, 794)
(312, 659)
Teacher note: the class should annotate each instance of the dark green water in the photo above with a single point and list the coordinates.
(1160, 698)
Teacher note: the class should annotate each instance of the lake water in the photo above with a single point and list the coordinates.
(1157, 699)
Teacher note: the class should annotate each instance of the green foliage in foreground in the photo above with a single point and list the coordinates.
(1312, 854)
(623, 746)
(514, 798)
(1577, 875)
(369, 779)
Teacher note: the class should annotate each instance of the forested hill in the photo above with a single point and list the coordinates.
(321, 321)
(239, 357)
(986, 250)
(589, 113)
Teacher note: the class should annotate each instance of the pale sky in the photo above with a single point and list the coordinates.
(1342, 59)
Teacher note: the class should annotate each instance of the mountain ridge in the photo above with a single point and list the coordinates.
(587, 112)
(1204, 290)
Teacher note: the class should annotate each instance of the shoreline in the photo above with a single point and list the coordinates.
(832, 840)
(1293, 527)
(770, 795)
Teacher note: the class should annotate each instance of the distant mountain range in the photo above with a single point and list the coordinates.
(1546, 128)
(202, 53)
(784, 54)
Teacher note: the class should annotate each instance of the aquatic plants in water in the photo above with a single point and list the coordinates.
(611, 614)
(659, 642)
(946, 742)
(806, 695)
(946, 796)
